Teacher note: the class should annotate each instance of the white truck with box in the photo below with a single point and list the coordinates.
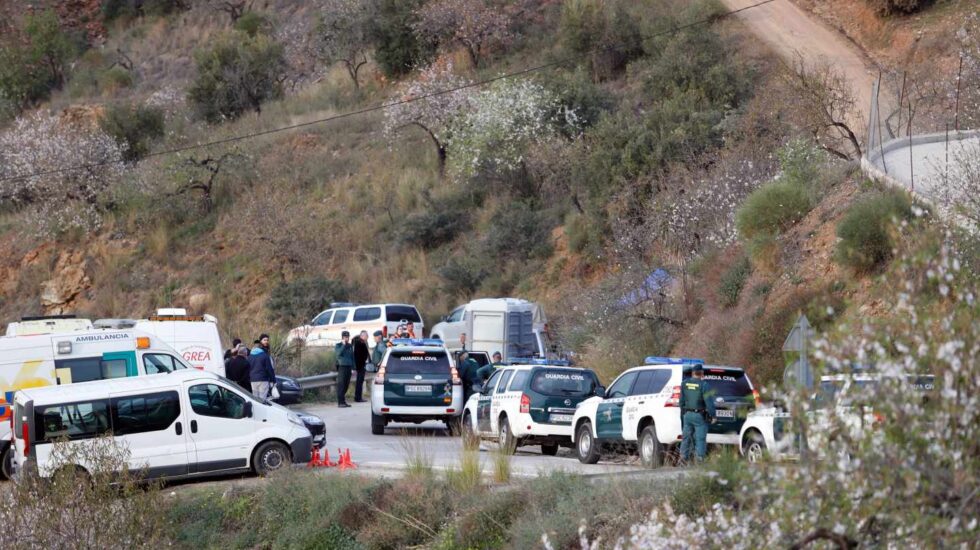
(516, 328)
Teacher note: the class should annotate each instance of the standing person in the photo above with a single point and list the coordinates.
(260, 372)
(484, 372)
(361, 355)
(697, 406)
(344, 353)
(380, 345)
(233, 350)
(237, 368)
(462, 341)
(468, 374)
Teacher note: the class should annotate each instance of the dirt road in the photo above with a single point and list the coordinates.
(790, 31)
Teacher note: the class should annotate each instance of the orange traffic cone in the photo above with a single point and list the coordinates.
(326, 459)
(315, 459)
(346, 462)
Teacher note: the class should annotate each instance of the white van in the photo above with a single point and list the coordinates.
(325, 329)
(195, 337)
(71, 357)
(188, 423)
(514, 327)
(28, 326)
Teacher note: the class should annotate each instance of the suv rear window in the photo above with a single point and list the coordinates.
(417, 362)
(563, 382)
(728, 383)
(397, 314)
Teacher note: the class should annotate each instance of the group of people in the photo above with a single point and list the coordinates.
(353, 356)
(252, 368)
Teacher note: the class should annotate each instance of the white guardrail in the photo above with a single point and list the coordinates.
(327, 380)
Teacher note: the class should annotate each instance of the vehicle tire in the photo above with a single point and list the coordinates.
(754, 447)
(586, 447)
(470, 439)
(549, 450)
(651, 450)
(7, 462)
(271, 456)
(377, 424)
(508, 443)
(454, 425)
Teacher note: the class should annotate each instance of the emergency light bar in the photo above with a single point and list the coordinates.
(435, 342)
(653, 360)
(540, 361)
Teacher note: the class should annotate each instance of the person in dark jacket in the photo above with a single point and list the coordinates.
(361, 355)
(260, 373)
(697, 406)
(380, 346)
(344, 353)
(237, 369)
(468, 374)
(486, 371)
(231, 352)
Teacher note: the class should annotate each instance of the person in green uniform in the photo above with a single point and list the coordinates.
(697, 406)
(380, 346)
(468, 374)
(344, 355)
(484, 372)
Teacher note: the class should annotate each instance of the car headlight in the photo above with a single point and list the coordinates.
(310, 419)
(295, 419)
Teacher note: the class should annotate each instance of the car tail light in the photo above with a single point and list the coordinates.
(525, 403)
(379, 378)
(457, 381)
(757, 398)
(26, 436)
(675, 398)
(384, 331)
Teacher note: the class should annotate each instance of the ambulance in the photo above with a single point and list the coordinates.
(195, 337)
(71, 357)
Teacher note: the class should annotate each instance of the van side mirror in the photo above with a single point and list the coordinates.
(247, 410)
(600, 391)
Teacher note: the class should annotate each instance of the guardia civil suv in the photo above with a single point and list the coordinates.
(416, 381)
(529, 404)
(640, 410)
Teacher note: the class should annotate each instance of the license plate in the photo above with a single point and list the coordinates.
(561, 418)
(418, 389)
(725, 413)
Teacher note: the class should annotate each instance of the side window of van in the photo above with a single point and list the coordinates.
(367, 314)
(213, 400)
(322, 319)
(72, 420)
(456, 316)
(87, 369)
(149, 412)
(340, 316)
(160, 363)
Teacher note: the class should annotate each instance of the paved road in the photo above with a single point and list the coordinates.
(791, 31)
(351, 429)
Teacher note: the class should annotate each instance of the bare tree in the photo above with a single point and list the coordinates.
(343, 34)
(211, 167)
(824, 103)
(435, 111)
(234, 8)
(473, 24)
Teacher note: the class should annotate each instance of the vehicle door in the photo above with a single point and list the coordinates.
(320, 327)
(366, 318)
(417, 378)
(454, 326)
(339, 323)
(645, 391)
(556, 392)
(501, 400)
(731, 391)
(152, 427)
(221, 433)
(484, 402)
(609, 413)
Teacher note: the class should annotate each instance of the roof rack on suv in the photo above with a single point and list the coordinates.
(48, 317)
(341, 304)
(654, 360)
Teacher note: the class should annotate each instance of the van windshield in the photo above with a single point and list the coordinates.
(563, 382)
(417, 362)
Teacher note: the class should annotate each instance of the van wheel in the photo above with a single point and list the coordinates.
(508, 443)
(271, 456)
(7, 462)
(586, 447)
(651, 450)
(549, 450)
(377, 424)
(754, 447)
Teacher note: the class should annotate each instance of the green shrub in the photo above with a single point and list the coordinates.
(134, 127)
(733, 280)
(239, 73)
(253, 23)
(398, 48)
(602, 33)
(865, 232)
(297, 301)
(891, 7)
(116, 78)
(28, 72)
(114, 9)
(517, 232)
(463, 274)
(772, 209)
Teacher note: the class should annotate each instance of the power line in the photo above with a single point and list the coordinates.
(373, 108)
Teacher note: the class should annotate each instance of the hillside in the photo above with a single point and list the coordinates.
(636, 153)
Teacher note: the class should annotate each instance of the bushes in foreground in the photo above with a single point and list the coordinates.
(865, 233)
